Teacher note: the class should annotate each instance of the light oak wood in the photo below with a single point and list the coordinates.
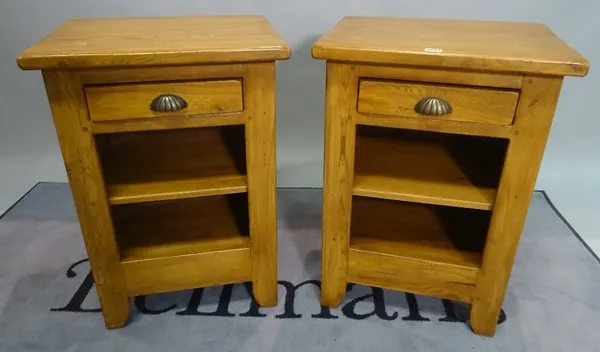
(259, 101)
(118, 42)
(340, 129)
(77, 144)
(434, 125)
(132, 101)
(176, 189)
(168, 123)
(465, 45)
(163, 165)
(433, 75)
(503, 79)
(394, 168)
(168, 201)
(523, 159)
(187, 271)
(165, 74)
(418, 276)
(444, 235)
(496, 107)
(181, 227)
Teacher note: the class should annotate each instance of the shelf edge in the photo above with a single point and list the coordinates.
(422, 199)
(141, 193)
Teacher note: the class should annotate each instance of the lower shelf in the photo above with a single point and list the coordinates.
(418, 248)
(184, 244)
(182, 227)
(451, 236)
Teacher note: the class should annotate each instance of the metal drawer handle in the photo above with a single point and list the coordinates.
(433, 106)
(168, 103)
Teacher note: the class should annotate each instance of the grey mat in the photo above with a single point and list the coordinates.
(551, 305)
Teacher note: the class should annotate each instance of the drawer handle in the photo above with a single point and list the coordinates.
(433, 106)
(168, 103)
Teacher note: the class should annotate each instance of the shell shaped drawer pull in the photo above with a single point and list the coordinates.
(433, 106)
(168, 103)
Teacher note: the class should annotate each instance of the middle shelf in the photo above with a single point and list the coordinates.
(173, 164)
(424, 167)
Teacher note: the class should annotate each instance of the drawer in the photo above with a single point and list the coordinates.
(133, 101)
(467, 104)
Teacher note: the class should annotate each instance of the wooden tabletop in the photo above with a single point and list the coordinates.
(476, 45)
(156, 41)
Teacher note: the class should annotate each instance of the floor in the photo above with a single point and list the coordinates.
(580, 206)
(47, 300)
(19, 174)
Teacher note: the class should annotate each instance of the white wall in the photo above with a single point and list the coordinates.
(28, 146)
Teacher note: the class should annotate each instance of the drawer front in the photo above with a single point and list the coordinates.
(479, 105)
(133, 101)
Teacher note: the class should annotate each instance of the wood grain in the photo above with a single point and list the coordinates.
(153, 191)
(488, 106)
(436, 75)
(164, 74)
(132, 101)
(340, 129)
(77, 144)
(394, 168)
(118, 42)
(435, 125)
(466, 45)
(409, 274)
(163, 165)
(444, 235)
(524, 155)
(181, 227)
(187, 271)
(259, 100)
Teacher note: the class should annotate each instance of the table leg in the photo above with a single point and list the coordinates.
(340, 131)
(67, 102)
(532, 125)
(259, 103)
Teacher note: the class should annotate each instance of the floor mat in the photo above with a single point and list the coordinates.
(48, 302)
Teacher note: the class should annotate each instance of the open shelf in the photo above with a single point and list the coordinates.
(181, 227)
(431, 168)
(173, 164)
(436, 234)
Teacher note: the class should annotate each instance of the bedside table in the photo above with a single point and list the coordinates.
(167, 129)
(435, 131)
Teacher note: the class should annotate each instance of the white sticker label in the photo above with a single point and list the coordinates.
(433, 50)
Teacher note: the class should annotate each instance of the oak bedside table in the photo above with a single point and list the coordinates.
(167, 129)
(435, 131)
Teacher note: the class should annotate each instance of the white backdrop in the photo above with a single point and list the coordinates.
(570, 170)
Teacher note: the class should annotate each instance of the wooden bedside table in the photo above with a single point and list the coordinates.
(435, 131)
(167, 129)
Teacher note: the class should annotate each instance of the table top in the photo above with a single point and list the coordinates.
(474, 45)
(117, 42)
